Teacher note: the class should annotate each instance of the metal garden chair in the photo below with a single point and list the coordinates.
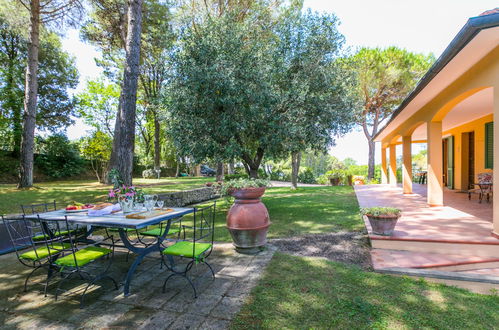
(484, 189)
(76, 258)
(41, 208)
(30, 252)
(196, 248)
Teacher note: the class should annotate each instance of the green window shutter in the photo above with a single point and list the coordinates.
(489, 145)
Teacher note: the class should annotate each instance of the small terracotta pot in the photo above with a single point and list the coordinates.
(383, 225)
(248, 220)
(334, 181)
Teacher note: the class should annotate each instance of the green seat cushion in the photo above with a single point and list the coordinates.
(40, 237)
(159, 232)
(185, 249)
(83, 256)
(44, 252)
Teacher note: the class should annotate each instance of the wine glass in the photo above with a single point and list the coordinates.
(160, 203)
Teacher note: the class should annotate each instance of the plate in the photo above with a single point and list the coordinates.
(77, 211)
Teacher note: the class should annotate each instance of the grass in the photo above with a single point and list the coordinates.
(292, 212)
(298, 293)
(64, 192)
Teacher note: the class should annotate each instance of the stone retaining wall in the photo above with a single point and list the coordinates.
(188, 197)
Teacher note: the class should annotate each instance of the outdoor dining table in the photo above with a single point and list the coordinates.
(119, 220)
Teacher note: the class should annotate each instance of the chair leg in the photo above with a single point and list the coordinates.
(184, 276)
(60, 283)
(97, 278)
(164, 283)
(29, 275)
(212, 272)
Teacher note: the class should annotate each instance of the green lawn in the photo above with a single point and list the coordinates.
(299, 293)
(292, 212)
(64, 192)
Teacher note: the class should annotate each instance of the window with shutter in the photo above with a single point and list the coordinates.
(489, 145)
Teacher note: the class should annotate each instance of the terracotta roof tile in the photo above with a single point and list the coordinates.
(490, 12)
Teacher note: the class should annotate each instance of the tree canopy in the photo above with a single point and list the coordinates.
(57, 74)
(243, 91)
(384, 78)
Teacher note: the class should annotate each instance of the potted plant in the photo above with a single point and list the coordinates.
(248, 219)
(382, 219)
(358, 180)
(335, 176)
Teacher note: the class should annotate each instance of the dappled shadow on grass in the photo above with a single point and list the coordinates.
(302, 211)
(84, 191)
(298, 292)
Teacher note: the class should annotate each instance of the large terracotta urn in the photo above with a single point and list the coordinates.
(248, 220)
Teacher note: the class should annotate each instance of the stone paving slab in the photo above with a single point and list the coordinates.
(147, 307)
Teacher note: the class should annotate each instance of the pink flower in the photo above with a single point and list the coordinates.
(111, 194)
(129, 194)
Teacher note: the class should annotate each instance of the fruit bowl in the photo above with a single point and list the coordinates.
(78, 207)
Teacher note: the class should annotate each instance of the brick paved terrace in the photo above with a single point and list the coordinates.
(147, 307)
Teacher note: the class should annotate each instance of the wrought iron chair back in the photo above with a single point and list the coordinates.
(57, 233)
(202, 233)
(204, 226)
(20, 231)
(30, 252)
(38, 208)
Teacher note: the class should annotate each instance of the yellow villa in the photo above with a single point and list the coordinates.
(452, 110)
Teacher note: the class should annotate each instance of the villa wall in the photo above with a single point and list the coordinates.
(478, 126)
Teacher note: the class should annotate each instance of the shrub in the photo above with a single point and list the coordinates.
(306, 176)
(380, 211)
(323, 179)
(151, 174)
(243, 183)
(58, 157)
(229, 177)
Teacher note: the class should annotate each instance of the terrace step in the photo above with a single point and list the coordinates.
(382, 258)
(479, 283)
(485, 249)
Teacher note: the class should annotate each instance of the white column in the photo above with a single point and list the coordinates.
(407, 164)
(495, 212)
(435, 185)
(393, 165)
(384, 172)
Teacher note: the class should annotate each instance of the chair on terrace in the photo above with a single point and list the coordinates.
(483, 188)
(28, 242)
(196, 248)
(75, 259)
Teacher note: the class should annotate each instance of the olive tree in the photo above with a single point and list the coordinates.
(243, 90)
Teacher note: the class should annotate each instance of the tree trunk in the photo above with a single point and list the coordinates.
(128, 107)
(157, 143)
(220, 171)
(370, 162)
(230, 168)
(12, 104)
(295, 168)
(177, 171)
(30, 98)
(113, 160)
(253, 172)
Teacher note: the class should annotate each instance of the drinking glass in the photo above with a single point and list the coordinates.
(160, 203)
(138, 206)
(149, 205)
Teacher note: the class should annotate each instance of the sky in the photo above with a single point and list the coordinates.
(421, 26)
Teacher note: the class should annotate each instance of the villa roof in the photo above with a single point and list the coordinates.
(490, 12)
(486, 20)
